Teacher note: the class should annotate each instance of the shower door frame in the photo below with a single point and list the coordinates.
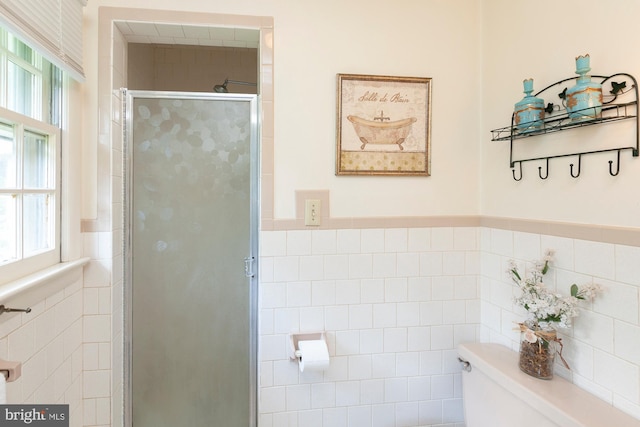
(251, 262)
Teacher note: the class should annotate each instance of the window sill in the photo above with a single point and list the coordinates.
(31, 289)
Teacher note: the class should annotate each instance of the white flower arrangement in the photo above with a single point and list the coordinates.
(547, 310)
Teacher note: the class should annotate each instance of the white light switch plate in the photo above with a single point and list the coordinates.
(312, 211)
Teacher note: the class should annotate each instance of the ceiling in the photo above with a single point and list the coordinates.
(152, 33)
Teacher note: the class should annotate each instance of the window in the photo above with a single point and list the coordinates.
(30, 96)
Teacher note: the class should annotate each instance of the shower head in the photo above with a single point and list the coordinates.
(223, 87)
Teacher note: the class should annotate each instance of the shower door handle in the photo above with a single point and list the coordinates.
(248, 266)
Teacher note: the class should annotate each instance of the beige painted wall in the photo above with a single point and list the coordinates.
(314, 42)
(541, 42)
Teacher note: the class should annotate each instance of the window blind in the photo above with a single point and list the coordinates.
(53, 27)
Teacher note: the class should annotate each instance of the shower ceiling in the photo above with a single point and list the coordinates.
(152, 33)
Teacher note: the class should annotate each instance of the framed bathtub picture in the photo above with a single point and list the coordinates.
(383, 125)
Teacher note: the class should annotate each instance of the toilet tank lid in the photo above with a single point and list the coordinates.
(563, 402)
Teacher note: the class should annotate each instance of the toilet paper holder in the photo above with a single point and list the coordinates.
(11, 370)
(294, 350)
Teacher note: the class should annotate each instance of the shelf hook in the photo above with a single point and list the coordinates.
(617, 167)
(513, 171)
(579, 162)
(540, 171)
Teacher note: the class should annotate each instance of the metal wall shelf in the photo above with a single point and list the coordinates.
(620, 102)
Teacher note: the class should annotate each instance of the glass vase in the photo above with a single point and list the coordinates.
(537, 358)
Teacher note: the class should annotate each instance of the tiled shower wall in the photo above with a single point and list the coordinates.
(189, 68)
(394, 304)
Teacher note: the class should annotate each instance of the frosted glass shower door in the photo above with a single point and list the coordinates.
(192, 218)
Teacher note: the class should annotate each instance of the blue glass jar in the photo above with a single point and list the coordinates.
(529, 112)
(584, 100)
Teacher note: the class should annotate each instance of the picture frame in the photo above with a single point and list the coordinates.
(383, 125)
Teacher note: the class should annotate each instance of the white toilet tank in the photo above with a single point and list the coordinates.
(497, 394)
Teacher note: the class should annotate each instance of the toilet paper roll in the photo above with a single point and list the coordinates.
(313, 355)
(3, 389)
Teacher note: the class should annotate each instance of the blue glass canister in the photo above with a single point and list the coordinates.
(584, 100)
(529, 112)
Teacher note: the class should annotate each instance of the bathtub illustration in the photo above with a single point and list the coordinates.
(381, 132)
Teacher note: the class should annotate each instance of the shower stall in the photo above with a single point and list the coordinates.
(191, 227)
